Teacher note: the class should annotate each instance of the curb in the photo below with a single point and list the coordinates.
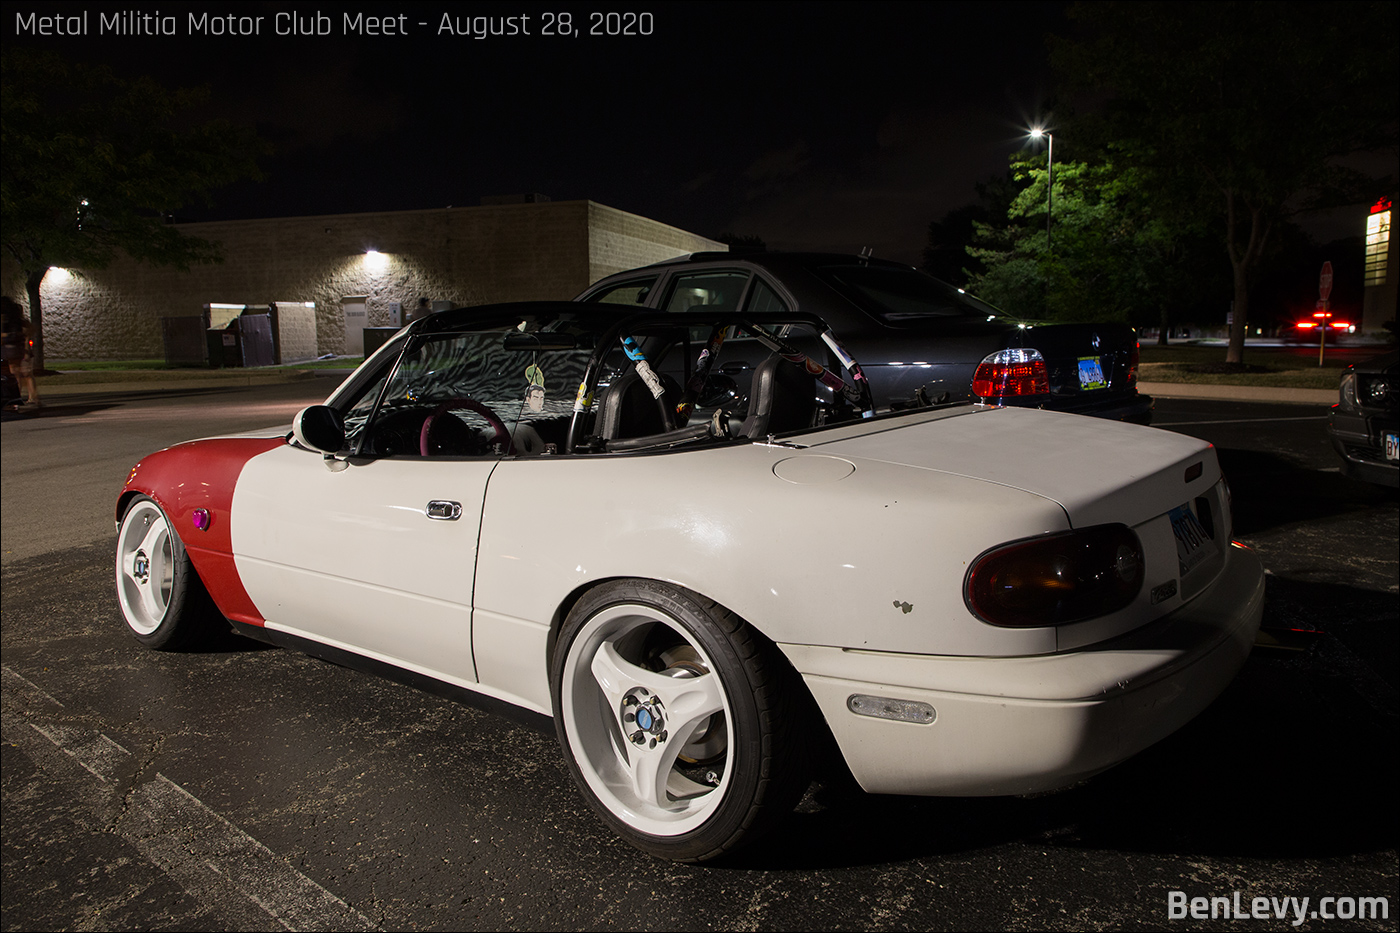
(1278, 394)
(48, 388)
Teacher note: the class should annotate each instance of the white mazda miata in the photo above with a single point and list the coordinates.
(702, 569)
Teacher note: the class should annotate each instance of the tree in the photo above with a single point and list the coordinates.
(93, 165)
(1117, 256)
(946, 253)
(1248, 107)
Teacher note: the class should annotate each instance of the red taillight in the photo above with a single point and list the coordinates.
(1306, 325)
(1133, 361)
(1056, 579)
(1011, 372)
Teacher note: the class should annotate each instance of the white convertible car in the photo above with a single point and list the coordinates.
(701, 571)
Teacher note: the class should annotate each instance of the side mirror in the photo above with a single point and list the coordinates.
(319, 427)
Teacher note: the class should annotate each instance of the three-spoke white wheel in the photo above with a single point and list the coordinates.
(676, 719)
(162, 599)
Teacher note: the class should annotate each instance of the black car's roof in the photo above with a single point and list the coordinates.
(769, 259)
(443, 321)
(592, 313)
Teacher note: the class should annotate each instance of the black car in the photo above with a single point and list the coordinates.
(920, 341)
(1365, 424)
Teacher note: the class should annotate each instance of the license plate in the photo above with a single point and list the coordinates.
(1392, 446)
(1193, 544)
(1091, 373)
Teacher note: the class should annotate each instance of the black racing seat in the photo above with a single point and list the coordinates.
(628, 409)
(782, 397)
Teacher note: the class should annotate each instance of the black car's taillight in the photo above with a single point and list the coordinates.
(1056, 579)
(1016, 372)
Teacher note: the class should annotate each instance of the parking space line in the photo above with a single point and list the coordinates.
(1169, 424)
(212, 859)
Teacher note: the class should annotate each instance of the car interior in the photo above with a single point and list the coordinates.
(651, 382)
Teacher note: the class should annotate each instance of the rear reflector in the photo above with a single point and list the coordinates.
(1011, 372)
(889, 708)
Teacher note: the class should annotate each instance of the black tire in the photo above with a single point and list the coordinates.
(636, 659)
(163, 601)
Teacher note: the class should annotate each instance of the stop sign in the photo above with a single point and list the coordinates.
(1324, 281)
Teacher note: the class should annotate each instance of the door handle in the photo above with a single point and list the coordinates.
(444, 510)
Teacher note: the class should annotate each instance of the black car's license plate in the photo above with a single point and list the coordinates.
(1392, 446)
(1193, 543)
(1091, 373)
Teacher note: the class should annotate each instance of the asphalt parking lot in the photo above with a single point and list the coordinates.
(254, 788)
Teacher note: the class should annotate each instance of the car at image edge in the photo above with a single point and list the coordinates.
(1364, 425)
(519, 507)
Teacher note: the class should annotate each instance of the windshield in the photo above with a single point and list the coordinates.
(503, 387)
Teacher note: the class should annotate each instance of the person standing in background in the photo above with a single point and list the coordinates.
(17, 344)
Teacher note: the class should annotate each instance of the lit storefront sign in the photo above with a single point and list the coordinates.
(1377, 242)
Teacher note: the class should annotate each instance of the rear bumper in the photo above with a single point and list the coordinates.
(1022, 725)
(1134, 409)
(1360, 442)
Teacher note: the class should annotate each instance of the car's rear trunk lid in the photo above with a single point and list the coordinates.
(1098, 471)
(1165, 486)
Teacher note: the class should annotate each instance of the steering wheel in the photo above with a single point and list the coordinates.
(425, 446)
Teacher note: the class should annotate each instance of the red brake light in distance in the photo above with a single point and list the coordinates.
(1056, 579)
(1011, 372)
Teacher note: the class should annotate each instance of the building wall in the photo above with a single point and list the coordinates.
(618, 241)
(468, 256)
(295, 331)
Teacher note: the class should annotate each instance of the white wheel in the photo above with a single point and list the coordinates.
(162, 599)
(669, 711)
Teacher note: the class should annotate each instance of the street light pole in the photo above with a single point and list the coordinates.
(1050, 186)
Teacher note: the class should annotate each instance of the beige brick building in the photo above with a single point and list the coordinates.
(461, 255)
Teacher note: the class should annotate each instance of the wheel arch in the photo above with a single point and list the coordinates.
(163, 477)
(815, 716)
(772, 772)
(566, 605)
(128, 496)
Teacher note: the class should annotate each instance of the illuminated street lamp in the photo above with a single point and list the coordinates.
(1037, 133)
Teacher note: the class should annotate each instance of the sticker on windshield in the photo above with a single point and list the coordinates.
(584, 399)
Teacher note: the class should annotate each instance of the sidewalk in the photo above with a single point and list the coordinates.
(174, 380)
(1279, 394)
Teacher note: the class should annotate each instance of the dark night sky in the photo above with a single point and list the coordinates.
(813, 126)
